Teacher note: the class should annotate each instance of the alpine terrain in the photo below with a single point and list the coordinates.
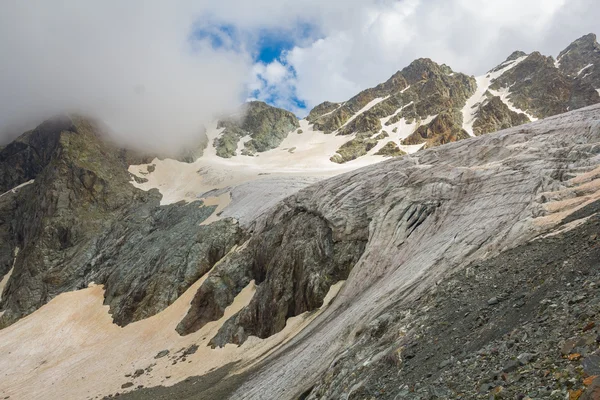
(436, 236)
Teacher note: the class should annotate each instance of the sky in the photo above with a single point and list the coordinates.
(155, 71)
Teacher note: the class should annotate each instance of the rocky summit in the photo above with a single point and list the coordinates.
(436, 236)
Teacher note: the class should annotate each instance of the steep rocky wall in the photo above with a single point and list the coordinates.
(82, 221)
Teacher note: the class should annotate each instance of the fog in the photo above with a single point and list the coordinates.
(130, 64)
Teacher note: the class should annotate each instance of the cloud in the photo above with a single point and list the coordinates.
(155, 71)
(134, 66)
(471, 36)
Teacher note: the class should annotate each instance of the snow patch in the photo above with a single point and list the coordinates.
(304, 155)
(403, 130)
(366, 108)
(16, 188)
(584, 68)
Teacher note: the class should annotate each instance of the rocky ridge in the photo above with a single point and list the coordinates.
(427, 104)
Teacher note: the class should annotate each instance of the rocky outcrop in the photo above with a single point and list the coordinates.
(320, 110)
(390, 149)
(581, 60)
(24, 158)
(266, 125)
(494, 115)
(422, 89)
(294, 259)
(128, 242)
(351, 150)
(538, 87)
(445, 128)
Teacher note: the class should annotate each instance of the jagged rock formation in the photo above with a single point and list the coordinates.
(267, 126)
(538, 87)
(445, 128)
(581, 60)
(494, 115)
(127, 242)
(295, 260)
(427, 104)
(24, 158)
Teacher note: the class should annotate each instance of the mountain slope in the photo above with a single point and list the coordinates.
(426, 105)
(85, 179)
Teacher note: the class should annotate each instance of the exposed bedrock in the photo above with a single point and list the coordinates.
(82, 221)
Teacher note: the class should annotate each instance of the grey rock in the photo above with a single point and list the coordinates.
(162, 354)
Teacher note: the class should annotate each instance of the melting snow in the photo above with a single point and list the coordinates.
(584, 68)
(16, 188)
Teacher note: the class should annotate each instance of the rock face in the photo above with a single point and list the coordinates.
(322, 109)
(24, 158)
(294, 260)
(390, 150)
(538, 87)
(267, 126)
(127, 242)
(351, 150)
(581, 60)
(445, 128)
(494, 115)
(422, 89)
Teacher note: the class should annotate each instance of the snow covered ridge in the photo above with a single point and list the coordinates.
(402, 98)
(469, 112)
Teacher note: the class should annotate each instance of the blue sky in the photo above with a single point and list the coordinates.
(265, 46)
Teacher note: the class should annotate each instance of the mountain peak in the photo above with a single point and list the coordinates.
(585, 43)
(515, 55)
(581, 60)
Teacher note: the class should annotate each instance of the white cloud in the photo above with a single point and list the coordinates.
(471, 36)
(131, 66)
